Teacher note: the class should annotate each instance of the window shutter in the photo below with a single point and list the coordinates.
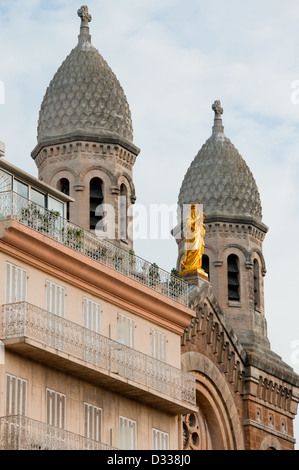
(160, 440)
(127, 433)
(16, 283)
(92, 422)
(16, 395)
(56, 403)
(158, 345)
(55, 299)
(126, 330)
(92, 315)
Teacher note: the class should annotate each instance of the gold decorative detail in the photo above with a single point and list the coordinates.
(195, 232)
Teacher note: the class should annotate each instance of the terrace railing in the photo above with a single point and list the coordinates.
(52, 225)
(18, 432)
(24, 320)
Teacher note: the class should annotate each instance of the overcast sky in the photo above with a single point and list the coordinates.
(174, 58)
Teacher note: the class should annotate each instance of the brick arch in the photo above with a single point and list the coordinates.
(63, 172)
(261, 258)
(270, 443)
(96, 171)
(235, 246)
(215, 402)
(119, 179)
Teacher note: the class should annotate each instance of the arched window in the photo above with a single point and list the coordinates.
(256, 284)
(123, 204)
(95, 200)
(63, 185)
(233, 280)
(206, 264)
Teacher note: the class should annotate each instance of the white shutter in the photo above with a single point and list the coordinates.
(16, 395)
(126, 330)
(160, 440)
(127, 434)
(92, 315)
(92, 422)
(55, 299)
(16, 283)
(158, 345)
(55, 408)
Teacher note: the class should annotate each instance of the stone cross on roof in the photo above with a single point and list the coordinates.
(84, 36)
(218, 127)
(84, 15)
(216, 107)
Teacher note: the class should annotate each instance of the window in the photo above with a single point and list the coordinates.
(63, 185)
(160, 440)
(16, 284)
(20, 188)
(55, 206)
(55, 404)
(55, 299)
(38, 197)
(206, 264)
(92, 422)
(158, 345)
(5, 181)
(92, 315)
(126, 330)
(127, 434)
(123, 213)
(16, 395)
(256, 283)
(233, 278)
(95, 199)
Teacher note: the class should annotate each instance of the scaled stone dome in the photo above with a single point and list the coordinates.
(84, 96)
(220, 179)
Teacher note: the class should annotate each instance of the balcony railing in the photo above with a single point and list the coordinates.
(52, 225)
(25, 320)
(21, 433)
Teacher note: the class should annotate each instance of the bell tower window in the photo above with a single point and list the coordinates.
(123, 213)
(233, 280)
(256, 284)
(63, 185)
(206, 264)
(95, 200)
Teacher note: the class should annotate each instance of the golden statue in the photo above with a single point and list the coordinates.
(195, 232)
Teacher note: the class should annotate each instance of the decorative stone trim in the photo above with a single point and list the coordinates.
(203, 367)
(269, 430)
(209, 325)
(275, 394)
(90, 150)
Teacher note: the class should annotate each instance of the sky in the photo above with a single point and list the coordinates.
(173, 59)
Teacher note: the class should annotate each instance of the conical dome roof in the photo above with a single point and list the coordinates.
(220, 179)
(84, 96)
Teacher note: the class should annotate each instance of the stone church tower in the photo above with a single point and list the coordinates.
(246, 395)
(220, 179)
(85, 140)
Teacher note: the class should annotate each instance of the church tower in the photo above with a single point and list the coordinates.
(85, 141)
(220, 179)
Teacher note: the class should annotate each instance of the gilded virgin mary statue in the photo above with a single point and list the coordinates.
(195, 232)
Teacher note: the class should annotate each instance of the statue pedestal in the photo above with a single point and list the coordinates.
(194, 277)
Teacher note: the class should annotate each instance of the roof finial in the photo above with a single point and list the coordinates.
(218, 127)
(216, 106)
(84, 28)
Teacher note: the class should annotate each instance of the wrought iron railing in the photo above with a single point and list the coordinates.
(26, 320)
(21, 433)
(52, 225)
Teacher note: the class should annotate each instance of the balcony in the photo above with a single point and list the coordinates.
(22, 433)
(50, 224)
(53, 340)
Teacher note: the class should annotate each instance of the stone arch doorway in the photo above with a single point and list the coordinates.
(216, 425)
